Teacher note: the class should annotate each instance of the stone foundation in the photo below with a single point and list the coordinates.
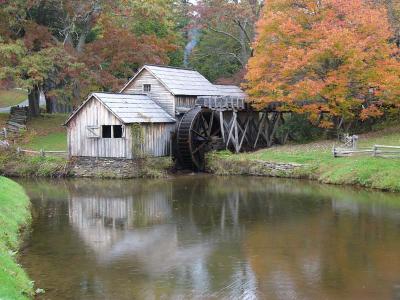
(221, 166)
(117, 168)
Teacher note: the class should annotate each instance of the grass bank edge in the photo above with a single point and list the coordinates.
(19, 165)
(319, 164)
(14, 216)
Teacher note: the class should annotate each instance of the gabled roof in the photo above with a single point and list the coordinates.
(130, 108)
(180, 82)
(230, 90)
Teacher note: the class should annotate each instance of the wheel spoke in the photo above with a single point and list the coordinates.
(211, 123)
(199, 148)
(204, 124)
(199, 134)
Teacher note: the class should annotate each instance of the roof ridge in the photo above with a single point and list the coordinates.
(118, 93)
(170, 67)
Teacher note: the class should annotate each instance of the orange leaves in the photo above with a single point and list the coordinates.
(330, 52)
(370, 112)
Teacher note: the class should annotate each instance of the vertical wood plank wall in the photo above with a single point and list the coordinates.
(95, 114)
(156, 136)
(158, 94)
(185, 101)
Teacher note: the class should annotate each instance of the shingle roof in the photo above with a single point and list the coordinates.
(230, 90)
(181, 82)
(131, 108)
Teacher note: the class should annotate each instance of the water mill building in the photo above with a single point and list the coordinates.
(142, 118)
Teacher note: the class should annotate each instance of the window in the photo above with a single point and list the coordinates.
(112, 131)
(93, 131)
(117, 129)
(147, 88)
(106, 131)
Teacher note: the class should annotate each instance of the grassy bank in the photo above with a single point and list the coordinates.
(319, 164)
(14, 165)
(14, 214)
(45, 132)
(20, 165)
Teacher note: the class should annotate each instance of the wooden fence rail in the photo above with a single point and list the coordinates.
(41, 152)
(375, 151)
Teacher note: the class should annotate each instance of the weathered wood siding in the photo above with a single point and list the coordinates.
(158, 94)
(157, 138)
(156, 135)
(185, 101)
(95, 114)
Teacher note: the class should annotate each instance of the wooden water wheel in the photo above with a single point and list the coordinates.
(198, 132)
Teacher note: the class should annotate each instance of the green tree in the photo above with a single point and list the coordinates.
(227, 32)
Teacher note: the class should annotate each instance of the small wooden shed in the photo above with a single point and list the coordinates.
(119, 126)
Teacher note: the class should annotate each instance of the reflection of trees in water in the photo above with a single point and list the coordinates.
(236, 237)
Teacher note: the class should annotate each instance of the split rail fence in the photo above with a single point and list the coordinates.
(41, 152)
(375, 151)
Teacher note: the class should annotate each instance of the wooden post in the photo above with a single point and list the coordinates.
(260, 126)
(221, 121)
(231, 125)
(42, 153)
(275, 120)
(5, 132)
(236, 141)
(244, 133)
(18, 150)
(375, 151)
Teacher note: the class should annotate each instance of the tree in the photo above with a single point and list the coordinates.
(70, 48)
(393, 8)
(226, 34)
(330, 56)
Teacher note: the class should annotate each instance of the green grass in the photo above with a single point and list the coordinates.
(319, 163)
(3, 119)
(45, 132)
(52, 141)
(14, 213)
(12, 97)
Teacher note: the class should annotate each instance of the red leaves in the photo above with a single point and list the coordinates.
(37, 37)
(119, 51)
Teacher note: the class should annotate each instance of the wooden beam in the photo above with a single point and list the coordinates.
(244, 134)
(233, 121)
(260, 125)
(236, 140)
(221, 122)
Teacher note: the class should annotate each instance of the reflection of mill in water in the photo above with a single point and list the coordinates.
(142, 228)
(132, 227)
(101, 221)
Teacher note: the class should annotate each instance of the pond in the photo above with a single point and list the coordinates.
(211, 237)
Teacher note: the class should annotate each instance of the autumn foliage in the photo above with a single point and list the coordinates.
(331, 56)
(68, 49)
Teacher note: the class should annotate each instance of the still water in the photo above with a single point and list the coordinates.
(207, 237)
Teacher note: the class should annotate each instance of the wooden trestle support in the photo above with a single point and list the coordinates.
(224, 123)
